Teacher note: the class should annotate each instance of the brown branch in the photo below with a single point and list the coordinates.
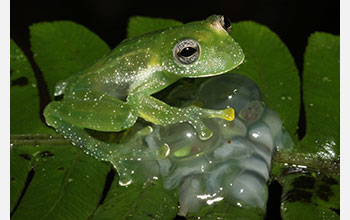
(300, 162)
(37, 139)
(296, 162)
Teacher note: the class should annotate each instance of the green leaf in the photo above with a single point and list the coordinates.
(67, 184)
(269, 63)
(310, 212)
(310, 197)
(139, 25)
(19, 168)
(225, 211)
(322, 95)
(138, 201)
(24, 96)
(63, 48)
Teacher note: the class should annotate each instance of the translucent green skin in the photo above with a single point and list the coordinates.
(116, 90)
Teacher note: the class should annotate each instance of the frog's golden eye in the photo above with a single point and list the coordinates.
(186, 51)
(225, 23)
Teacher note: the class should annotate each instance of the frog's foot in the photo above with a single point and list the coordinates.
(131, 151)
(124, 156)
(196, 115)
(158, 112)
(134, 144)
(126, 166)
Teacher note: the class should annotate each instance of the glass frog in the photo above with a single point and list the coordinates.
(112, 93)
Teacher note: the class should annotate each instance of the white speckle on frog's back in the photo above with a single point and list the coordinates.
(121, 74)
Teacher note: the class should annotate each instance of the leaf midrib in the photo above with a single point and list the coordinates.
(63, 185)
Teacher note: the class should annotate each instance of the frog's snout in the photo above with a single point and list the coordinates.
(225, 23)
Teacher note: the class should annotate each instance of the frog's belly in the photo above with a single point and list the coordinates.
(102, 84)
(116, 90)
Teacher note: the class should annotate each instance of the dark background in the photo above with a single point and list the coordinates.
(293, 21)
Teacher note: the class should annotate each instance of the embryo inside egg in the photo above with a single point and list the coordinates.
(234, 164)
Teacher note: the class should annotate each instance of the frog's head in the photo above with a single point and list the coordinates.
(202, 48)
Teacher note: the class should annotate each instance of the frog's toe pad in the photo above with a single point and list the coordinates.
(164, 151)
(145, 131)
(228, 114)
(125, 180)
(205, 134)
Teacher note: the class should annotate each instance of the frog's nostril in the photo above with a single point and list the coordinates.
(225, 23)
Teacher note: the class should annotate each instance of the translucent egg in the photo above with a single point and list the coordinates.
(230, 129)
(228, 90)
(237, 148)
(233, 164)
(184, 142)
(188, 195)
(260, 133)
(247, 190)
(272, 119)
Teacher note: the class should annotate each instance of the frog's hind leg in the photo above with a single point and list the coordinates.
(123, 156)
(71, 116)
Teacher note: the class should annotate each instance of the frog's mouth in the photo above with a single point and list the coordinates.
(222, 72)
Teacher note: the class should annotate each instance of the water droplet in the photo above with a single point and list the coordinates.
(326, 79)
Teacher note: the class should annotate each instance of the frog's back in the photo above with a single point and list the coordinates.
(113, 74)
(150, 62)
(129, 65)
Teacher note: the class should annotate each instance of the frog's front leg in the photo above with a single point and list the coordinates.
(158, 112)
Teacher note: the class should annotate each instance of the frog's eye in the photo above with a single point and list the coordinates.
(186, 51)
(225, 23)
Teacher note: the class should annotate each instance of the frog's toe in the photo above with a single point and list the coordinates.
(125, 179)
(205, 134)
(145, 131)
(164, 151)
(227, 114)
(202, 130)
(123, 166)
